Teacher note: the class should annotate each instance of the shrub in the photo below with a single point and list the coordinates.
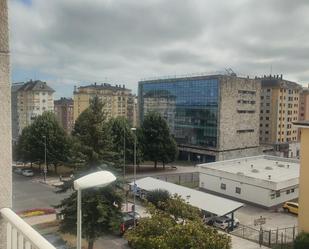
(157, 196)
(302, 241)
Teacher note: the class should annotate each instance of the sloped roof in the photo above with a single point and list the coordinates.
(36, 85)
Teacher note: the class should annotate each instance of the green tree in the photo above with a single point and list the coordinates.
(92, 150)
(92, 141)
(157, 197)
(101, 213)
(302, 241)
(31, 145)
(158, 143)
(120, 130)
(163, 229)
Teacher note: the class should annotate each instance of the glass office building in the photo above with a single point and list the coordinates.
(190, 106)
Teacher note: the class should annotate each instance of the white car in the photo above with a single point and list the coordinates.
(223, 222)
(18, 171)
(28, 172)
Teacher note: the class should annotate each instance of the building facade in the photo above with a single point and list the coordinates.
(261, 180)
(33, 98)
(5, 121)
(279, 108)
(118, 100)
(64, 113)
(303, 200)
(212, 117)
(304, 105)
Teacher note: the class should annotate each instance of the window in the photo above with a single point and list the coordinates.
(288, 191)
(292, 190)
(223, 186)
(238, 190)
(278, 193)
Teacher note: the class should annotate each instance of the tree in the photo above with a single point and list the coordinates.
(92, 141)
(163, 229)
(302, 241)
(92, 150)
(158, 143)
(31, 145)
(120, 130)
(157, 197)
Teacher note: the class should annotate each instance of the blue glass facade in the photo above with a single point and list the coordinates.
(190, 106)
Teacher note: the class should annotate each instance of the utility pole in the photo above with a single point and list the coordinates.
(45, 165)
(134, 181)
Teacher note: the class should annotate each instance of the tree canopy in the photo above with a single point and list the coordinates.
(31, 144)
(92, 150)
(178, 225)
(158, 143)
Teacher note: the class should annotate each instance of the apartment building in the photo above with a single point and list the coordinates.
(303, 200)
(212, 117)
(304, 104)
(64, 113)
(119, 101)
(29, 100)
(279, 108)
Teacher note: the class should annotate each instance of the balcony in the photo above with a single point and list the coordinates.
(20, 235)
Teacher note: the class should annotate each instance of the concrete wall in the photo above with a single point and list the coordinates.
(236, 96)
(303, 216)
(249, 192)
(5, 120)
(243, 152)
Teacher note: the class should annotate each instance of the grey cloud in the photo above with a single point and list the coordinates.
(126, 40)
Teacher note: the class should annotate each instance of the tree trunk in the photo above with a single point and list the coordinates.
(90, 244)
(155, 164)
(56, 166)
(163, 165)
(40, 166)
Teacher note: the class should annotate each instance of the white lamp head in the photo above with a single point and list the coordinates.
(96, 179)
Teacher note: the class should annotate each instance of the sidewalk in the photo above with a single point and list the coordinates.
(240, 243)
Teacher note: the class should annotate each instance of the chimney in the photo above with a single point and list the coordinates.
(75, 88)
(269, 177)
(281, 76)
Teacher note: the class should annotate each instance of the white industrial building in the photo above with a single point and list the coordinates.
(263, 180)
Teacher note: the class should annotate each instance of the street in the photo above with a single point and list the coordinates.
(28, 193)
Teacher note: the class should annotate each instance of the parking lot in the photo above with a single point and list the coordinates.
(273, 220)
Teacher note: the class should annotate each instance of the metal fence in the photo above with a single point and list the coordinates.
(280, 236)
(186, 179)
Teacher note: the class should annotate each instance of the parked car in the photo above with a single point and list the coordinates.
(18, 171)
(27, 172)
(224, 221)
(291, 207)
(128, 221)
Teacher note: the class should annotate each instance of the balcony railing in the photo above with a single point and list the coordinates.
(20, 235)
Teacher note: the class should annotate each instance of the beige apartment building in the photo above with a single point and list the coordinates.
(279, 108)
(303, 199)
(304, 104)
(64, 113)
(119, 101)
(29, 100)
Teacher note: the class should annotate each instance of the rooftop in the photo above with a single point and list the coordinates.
(207, 202)
(104, 86)
(36, 85)
(267, 168)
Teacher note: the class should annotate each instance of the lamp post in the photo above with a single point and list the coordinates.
(134, 177)
(45, 165)
(97, 179)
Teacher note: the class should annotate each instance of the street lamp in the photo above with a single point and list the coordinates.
(134, 180)
(97, 179)
(45, 165)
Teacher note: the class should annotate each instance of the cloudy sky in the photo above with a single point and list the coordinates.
(76, 42)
